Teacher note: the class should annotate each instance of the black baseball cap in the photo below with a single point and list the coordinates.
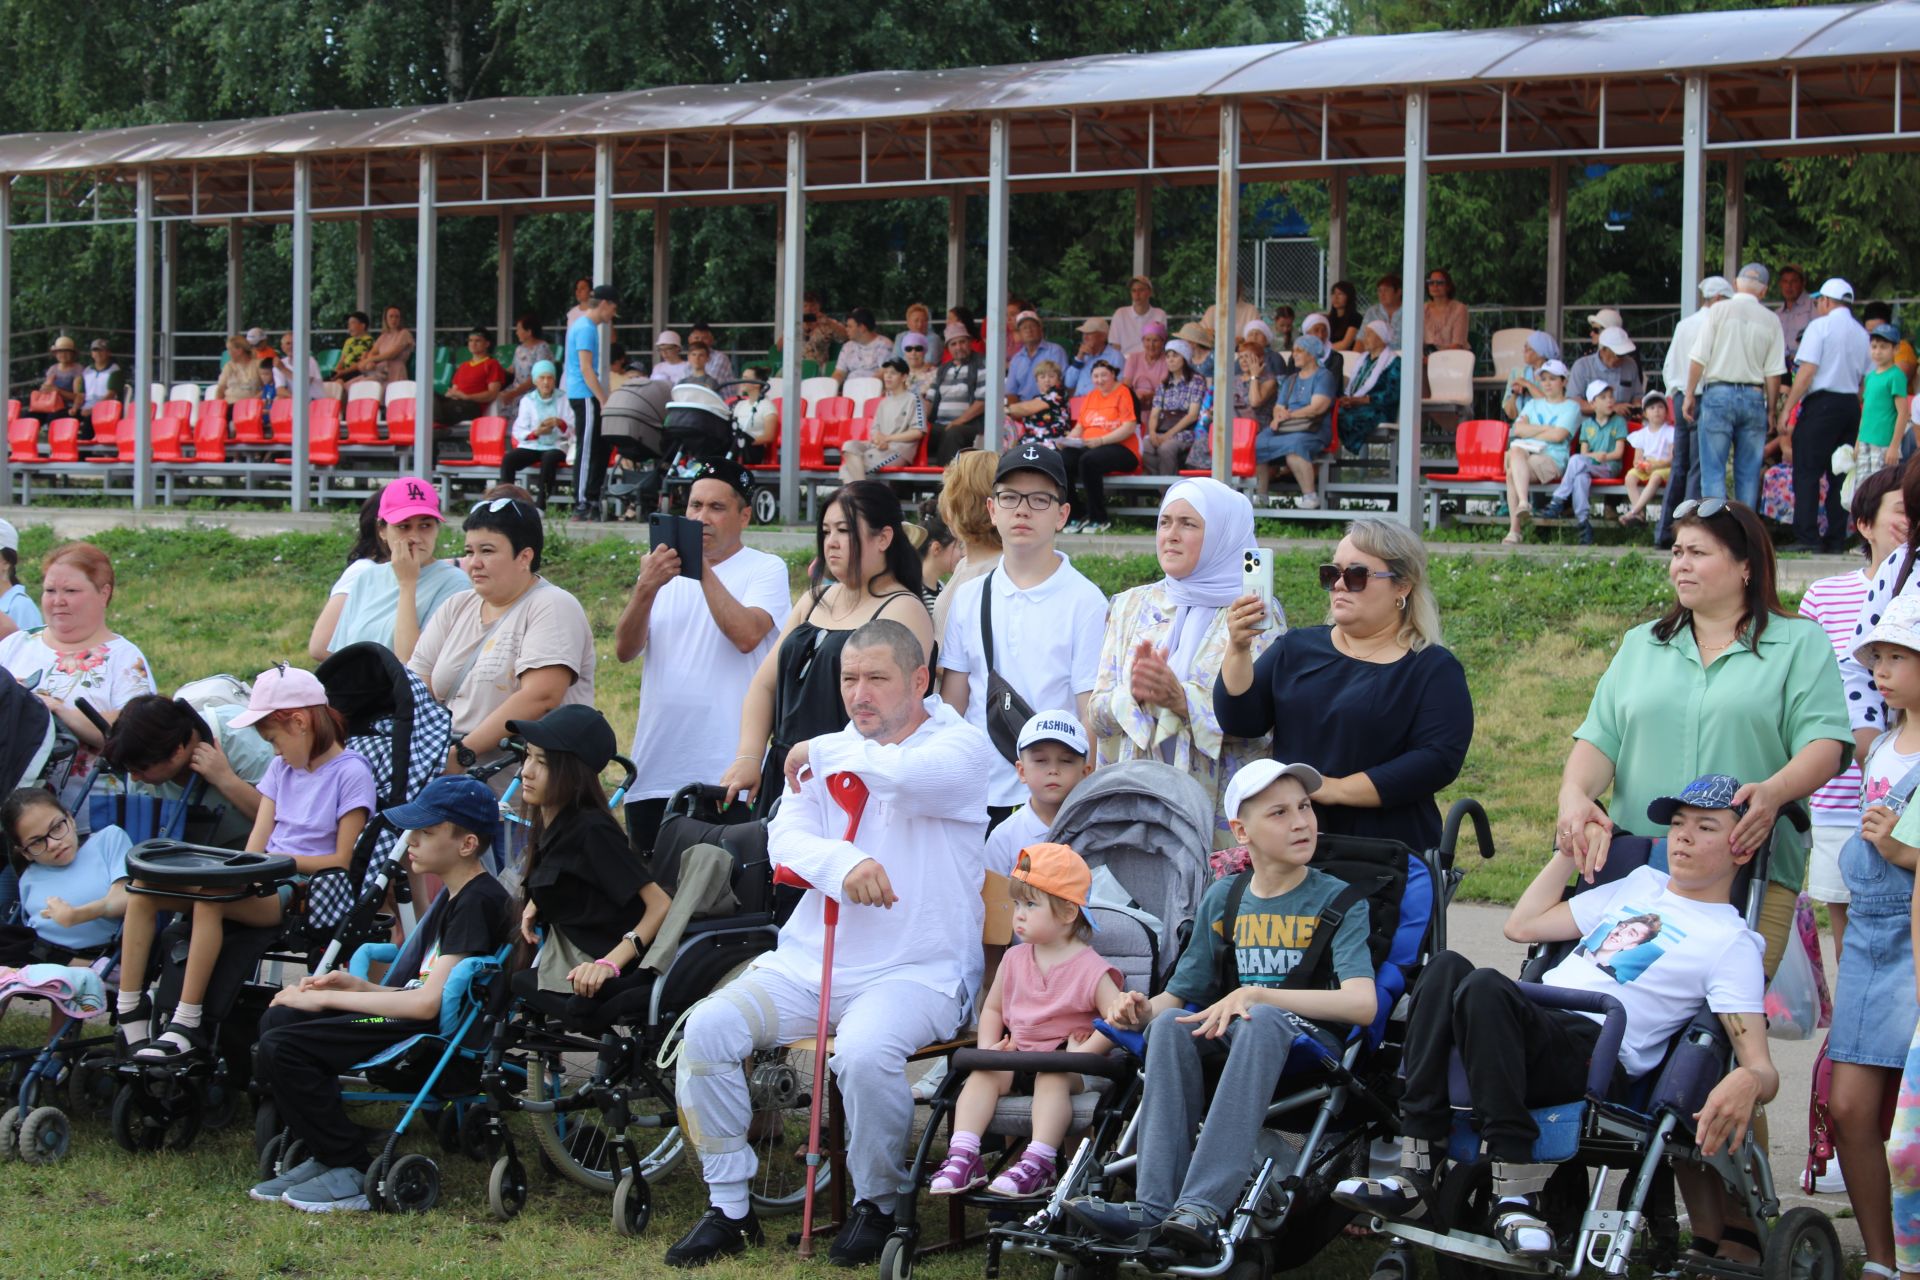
(1033, 457)
(575, 728)
(728, 472)
(605, 293)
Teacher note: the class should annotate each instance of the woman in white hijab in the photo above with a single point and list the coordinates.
(1374, 397)
(1153, 697)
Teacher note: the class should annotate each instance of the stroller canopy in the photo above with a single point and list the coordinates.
(26, 734)
(691, 395)
(638, 409)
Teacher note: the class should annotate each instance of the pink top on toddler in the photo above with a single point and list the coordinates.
(1043, 1009)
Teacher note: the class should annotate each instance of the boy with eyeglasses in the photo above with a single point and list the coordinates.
(1046, 619)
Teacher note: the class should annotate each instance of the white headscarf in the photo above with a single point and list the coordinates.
(1376, 363)
(1227, 520)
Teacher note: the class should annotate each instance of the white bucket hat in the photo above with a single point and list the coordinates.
(1899, 624)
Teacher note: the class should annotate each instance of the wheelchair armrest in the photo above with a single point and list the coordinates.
(1086, 1064)
(1606, 1052)
(1697, 1062)
(364, 956)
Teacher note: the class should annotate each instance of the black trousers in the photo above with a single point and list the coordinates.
(447, 412)
(1828, 419)
(954, 439)
(1517, 1055)
(643, 822)
(1683, 481)
(1088, 469)
(300, 1057)
(548, 460)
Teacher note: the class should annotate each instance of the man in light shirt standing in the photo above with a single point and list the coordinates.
(1684, 482)
(1125, 329)
(907, 955)
(1733, 378)
(1826, 390)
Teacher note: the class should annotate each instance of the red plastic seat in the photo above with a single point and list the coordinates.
(107, 421)
(63, 440)
(400, 422)
(280, 423)
(813, 452)
(168, 438)
(323, 431)
(1479, 450)
(249, 422)
(124, 452)
(771, 449)
(1619, 481)
(1244, 432)
(13, 411)
(23, 442)
(363, 422)
(210, 434)
(488, 436)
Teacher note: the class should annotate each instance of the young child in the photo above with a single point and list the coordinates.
(1045, 996)
(1043, 419)
(1874, 1004)
(1054, 756)
(315, 801)
(583, 882)
(1538, 444)
(72, 893)
(1603, 447)
(1652, 460)
(324, 1025)
(1883, 402)
(1234, 973)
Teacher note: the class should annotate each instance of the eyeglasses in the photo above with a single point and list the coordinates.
(1007, 500)
(1436, 280)
(1705, 508)
(60, 830)
(1354, 576)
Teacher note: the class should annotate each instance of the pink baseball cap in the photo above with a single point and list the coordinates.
(281, 688)
(406, 497)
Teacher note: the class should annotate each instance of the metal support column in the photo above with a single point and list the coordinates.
(1226, 291)
(503, 284)
(1413, 274)
(303, 329)
(793, 279)
(363, 267)
(1337, 227)
(1556, 249)
(662, 269)
(956, 249)
(143, 370)
(6, 323)
(994, 322)
(1735, 211)
(169, 313)
(603, 237)
(1143, 228)
(426, 273)
(1693, 195)
(779, 272)
(236, 245)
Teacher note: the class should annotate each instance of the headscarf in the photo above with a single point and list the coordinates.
(545, 407)
(544, 366)
(1316, 318)
(1544, 345)
(1376, 364)
(1312, 346)
(1227, 519)
(1185, 350)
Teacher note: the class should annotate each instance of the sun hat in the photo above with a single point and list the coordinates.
(1605, 318)
(1256, 777)
(1899, 624)
(1140, 280)
(281, 688)
(575, 728)
(1716, 287)
(456, 798)
(908, 340)
(64, 343)
(1095, 324)
(1025, 316)
(954, 330)
(668, 338)
(1596, 387)
(1197, 334)
(1185, 349)
(1056, 870)
(1885, 332)
(9, 536)
(1757, 273)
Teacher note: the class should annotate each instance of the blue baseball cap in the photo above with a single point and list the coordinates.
(464, 801)
(1711, 791)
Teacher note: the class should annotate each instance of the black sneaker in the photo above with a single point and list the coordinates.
(1121, 1221)
(715, 1236)
(1192, 1229)
(1554, 510)
(862, 1237)
(583, 510)
(1586, 533)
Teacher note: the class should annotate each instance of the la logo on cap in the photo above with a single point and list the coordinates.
(416, 491)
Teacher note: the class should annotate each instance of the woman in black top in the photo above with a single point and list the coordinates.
(863, 568)
(1343, 316)
(583, 882)
(1372, 700)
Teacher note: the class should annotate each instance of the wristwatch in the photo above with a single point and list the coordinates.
(639, 947)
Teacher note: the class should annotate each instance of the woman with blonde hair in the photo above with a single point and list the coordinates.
(244, 375)
(964, 496)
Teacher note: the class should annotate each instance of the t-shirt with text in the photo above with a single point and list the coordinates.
(1270, 937)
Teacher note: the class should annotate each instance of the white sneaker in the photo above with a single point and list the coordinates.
(1833, 1182)
(929, 1084)
(1309, 502)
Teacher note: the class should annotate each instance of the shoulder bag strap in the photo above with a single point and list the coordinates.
(1226, 971)
(986, 617)
(1331, 917)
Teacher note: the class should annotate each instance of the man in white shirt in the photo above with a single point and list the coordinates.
(907, 955)
(1733, 378)
(1124, 330)
(1684, 482)
(1048, 620)
(1826, 390)
(703, 638)
(865, 351)
(1796, 310)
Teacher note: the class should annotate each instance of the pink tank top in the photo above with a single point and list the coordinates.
(1041, 1010)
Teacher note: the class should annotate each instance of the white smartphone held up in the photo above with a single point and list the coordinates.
(1256, 579)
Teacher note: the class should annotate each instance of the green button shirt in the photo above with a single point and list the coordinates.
(1664, 721)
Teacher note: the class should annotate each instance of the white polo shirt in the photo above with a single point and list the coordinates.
(1837, 344)
(1046, 644)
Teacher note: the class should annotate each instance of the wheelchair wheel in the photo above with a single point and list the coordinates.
(143, 1121)
(1803, 1246)
(1464, 1202)
(45, 1137)
(780, 1084)
(896, 1257)
(266, 1127)
(632, 1205)
(10, 1133)
(412, 1185)
(507, 1188)
(579, 1146)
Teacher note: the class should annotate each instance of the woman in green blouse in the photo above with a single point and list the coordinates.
(1726, 682)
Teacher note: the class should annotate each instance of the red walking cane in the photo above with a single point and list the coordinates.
(851, 795)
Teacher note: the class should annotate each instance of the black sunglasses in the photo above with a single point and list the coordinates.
(1354, 576)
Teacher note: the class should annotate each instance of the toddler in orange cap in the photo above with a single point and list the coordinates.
(1047, 992)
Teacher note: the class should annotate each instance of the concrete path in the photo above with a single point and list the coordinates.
(1473, 929)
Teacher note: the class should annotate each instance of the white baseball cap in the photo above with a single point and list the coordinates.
(1615, 339)
(1555, 368)
(10, 536)
(1261, 774)
(1053, 726)
(1716, 287)
(1837, 289)
(1595, 387)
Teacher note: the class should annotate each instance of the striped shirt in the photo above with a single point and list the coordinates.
(1835, 603)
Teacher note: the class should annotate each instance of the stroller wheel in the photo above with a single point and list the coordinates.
(411, 1186)
(507, 1188)
(10, 1133)
(1803, 1246)
(632, 1205)
(45, 1137)
(145, 1121)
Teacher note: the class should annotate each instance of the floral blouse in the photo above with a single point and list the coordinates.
(1049, 424)
(1124, 730)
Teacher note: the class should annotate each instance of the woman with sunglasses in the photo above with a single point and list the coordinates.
(1727, 681)
(1372, 700)
(1444, 319)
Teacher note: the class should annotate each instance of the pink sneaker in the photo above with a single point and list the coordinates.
(960, 1174)
(1030, 1175)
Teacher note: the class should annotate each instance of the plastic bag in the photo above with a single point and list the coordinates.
(1793, 1003)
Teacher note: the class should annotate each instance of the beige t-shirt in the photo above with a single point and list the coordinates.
(545, 628)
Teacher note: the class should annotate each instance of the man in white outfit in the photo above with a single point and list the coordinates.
(907, 958)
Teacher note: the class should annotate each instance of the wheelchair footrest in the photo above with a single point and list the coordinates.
(1560, 1129)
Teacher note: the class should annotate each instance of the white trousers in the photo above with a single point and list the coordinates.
(874, 1031)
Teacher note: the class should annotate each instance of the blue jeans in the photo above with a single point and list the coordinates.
(1733, 419)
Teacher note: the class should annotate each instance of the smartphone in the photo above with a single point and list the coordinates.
(683, 535)
(1256, 579)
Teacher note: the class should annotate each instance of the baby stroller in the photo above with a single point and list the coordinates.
(1330, 1101)
(1639, 1129)
(597, 1084)
(635, 422)
(1139, 826)
(394, 722)
(699, 430)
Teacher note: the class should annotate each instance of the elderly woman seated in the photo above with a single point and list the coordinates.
(1523, 381)
(1301, 428)
(1374, 397)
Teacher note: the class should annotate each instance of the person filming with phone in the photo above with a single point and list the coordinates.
(704, 629)
(1372, 700)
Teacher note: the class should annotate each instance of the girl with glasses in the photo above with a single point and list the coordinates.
(73, 891)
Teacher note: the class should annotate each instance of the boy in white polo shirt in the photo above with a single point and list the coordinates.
(1054, 756)
(1047, 618)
